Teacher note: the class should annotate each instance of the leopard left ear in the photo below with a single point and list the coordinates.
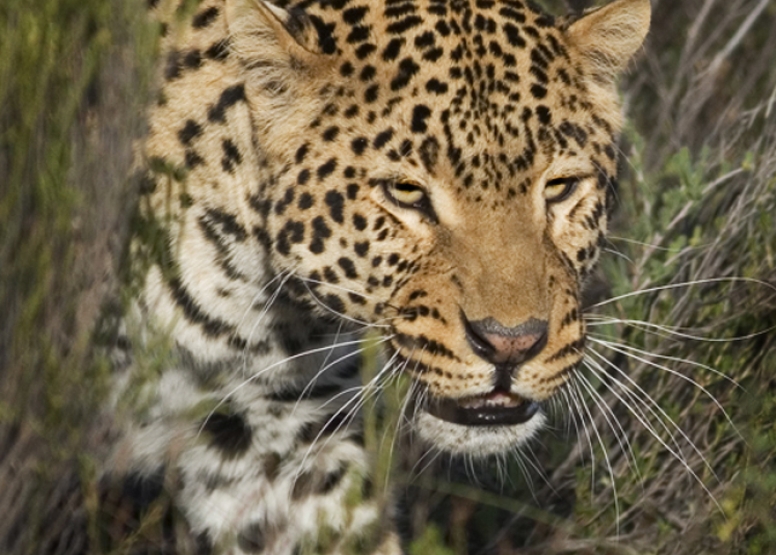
(263, 34)
(609, 36)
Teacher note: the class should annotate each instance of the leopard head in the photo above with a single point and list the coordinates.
(440, 170)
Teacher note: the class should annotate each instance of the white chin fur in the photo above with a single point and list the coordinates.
(479, 441)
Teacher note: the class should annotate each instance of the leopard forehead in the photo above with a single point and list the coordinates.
(482, 96)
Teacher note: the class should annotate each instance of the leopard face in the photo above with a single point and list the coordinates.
(438, 170)
(444, 176)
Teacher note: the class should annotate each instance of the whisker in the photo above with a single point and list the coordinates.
(668, 331)
(586, 384)
(684, 284)
(618, 431)
(624, 351)
(642, 418)
(575, 394)
(258, 374)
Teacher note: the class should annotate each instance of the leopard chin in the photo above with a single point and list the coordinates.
(476, 440)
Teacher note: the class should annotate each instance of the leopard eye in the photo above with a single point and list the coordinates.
(558, 190)
(408, 194)
(405, 193)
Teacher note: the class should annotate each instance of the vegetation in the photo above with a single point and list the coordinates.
(682, 312)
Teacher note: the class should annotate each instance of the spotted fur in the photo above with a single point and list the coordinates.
(434, 169)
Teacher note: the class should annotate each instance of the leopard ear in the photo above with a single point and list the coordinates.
(609, 36)
(263, 35)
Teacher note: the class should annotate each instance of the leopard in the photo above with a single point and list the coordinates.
(427, 180)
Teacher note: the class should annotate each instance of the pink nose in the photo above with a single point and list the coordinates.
(504, 346)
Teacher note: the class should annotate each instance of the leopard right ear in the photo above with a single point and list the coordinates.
(266, 36)
(609, 36)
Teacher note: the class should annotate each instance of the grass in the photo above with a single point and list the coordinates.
(693, 233)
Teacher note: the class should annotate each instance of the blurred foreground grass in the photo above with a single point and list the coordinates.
(694, 233)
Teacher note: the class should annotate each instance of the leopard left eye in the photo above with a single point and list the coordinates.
(410, 195)
(558, 190)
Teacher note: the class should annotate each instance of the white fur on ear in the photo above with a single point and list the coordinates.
(283, 68)
(609, 37)
(263, 33)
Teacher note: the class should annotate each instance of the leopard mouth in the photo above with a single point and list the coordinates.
(496, 408)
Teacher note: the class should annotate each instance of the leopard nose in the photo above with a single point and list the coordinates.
(504, 346)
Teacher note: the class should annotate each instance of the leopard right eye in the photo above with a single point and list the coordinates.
(558, 190)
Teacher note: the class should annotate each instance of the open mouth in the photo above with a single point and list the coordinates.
(497, 408)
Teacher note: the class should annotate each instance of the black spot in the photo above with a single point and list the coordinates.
(435, 86)
(334, 303)
(407, 69)
(330, 275)
(232, 156)
(305, 201)
(513, 36)
(433, 55)
(571, 130)
(442, 28)
(367, 73)
(218, 51)
(545, 20)
(382, 138)
(320, 232)
(399, 9)
(203, 544)
(392, 51)
(251, 539)
(353, 16)
(351, 112)
(189, 132)
(332, 479)
(205, 17)
(193, 159)
(361, 248)
(172, 67)
(192, 59)
(331, 133)
(359, 222)
(545, 115)
(346, 69)
(327, 169)
(538, 91)
(365, 50)
(230, 96)
(403, 25)
(283, 203)
(358, 145)
(303, 177)
(326, 41)
(229, 433)
(145, 184)
(539, 75)
(352, 191)
(347, 265)
(420, 113)
(512, 14)
(370, 95)
(336, 203)
(227, 224)
(360, 33)
(301, 152)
